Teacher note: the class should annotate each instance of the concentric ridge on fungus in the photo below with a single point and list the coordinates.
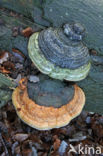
(70, 54)
(46, 117)
(59, 53)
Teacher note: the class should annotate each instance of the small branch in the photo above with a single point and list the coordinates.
(3, 143)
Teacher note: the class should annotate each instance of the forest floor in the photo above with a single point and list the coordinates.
(16, 138)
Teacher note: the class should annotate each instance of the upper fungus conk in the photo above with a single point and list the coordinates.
(48, 103)
(60, 52)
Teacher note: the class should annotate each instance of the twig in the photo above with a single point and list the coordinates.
(3, 143)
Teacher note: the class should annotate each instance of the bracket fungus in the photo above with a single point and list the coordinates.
(48, 103)
(60, 52)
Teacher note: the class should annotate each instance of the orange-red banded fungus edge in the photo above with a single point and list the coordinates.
(44, 117)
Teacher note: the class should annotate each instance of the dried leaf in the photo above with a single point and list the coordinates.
(62, 148)
(34, 152)
(56, 144)
(8, 65)
(27, 32)
(3, 70)
(3, 57)
(17, 51)
(21, 137)
(78, 137)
